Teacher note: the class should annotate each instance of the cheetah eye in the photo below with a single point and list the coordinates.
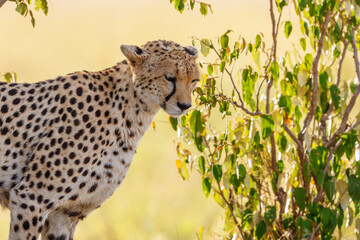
(195, 81)
(170, 79)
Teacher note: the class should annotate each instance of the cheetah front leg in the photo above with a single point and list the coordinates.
(59, 226)
(27, 218)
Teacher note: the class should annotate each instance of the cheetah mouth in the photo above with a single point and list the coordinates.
(173, 112)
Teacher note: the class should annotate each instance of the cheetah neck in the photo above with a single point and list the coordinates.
(134, 111)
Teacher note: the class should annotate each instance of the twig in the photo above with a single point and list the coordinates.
(313, 233)
(275, 27)
(297, 141)
(325, 117)
(241, 105)
(336, 147)
(2, 2)
(230, 75)
(230, 207)
(257, 94)
(351, 104)
(315, 76)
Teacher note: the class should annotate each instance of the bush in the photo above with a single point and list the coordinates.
(279, 151)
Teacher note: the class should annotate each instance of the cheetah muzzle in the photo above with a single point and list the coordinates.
(66, 144)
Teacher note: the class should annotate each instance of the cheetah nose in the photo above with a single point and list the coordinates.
(183, 106)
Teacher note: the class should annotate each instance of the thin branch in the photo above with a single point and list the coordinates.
(2, 2)
(257, 94)
(314, 232)
(275, 28)
(315, 76)
(256, 113)
(241, 105)
(230, 207)
(325, 117)
(351, 104)
(297, 141)
(336, 147)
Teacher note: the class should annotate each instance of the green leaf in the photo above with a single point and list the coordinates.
(308, 61)
(303, 43)
(267, 123)
(300, 198)
(298, 113)
(341, 216)
(21, 8)
(257, 42)
(206, 185)
(270, 215)
(285, 102)
(302, 4)
(354, 188)
(235, 182)
(195, 122)
(280, 165)
(8, 77)
(198, 143)
(306, 227)
(42, 4)
(274, 69)
(334, 91)
(202, 165)
(282, 143)
(353, 86)
(323, 77)
(330, 189)
(217, 172)
(222, 66)
(210, 69)
(328, 218)
(203, 9)
(224, 40)
(307, 171)
(173, 122)
(260, 229)
(324, 103)
(250, 47)
(288, 28)
(204, 47)
(242, 172)
(32, 18)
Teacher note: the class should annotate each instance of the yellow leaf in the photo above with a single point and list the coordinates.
(302, 77)
(200, 234)
(178, 164)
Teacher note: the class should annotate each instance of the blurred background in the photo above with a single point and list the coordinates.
(153, 202)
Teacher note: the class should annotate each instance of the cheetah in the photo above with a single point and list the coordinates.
(67, 143)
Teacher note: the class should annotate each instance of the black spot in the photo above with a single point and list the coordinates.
(79, 91)
(16, 101)
(12, 92)
(4, 108)
(93, 188)
(26, 225)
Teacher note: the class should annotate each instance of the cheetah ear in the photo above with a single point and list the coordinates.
(192, 51)
(134, 54)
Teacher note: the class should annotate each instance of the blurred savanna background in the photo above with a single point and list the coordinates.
(153, 202)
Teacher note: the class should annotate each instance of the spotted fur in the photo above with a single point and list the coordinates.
(67, 143)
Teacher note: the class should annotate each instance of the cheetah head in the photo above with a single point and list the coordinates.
(164, 73)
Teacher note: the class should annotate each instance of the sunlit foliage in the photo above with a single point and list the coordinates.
(283, 161)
